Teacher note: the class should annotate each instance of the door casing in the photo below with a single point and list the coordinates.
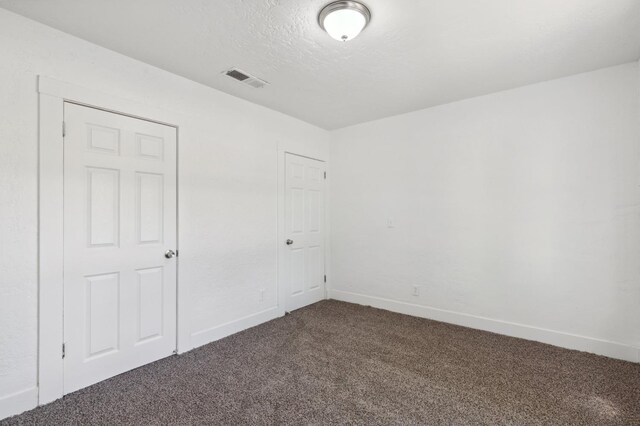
(308, 295)
(315, 153)
(52, 96)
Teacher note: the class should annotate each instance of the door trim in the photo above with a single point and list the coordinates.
(314, 154)
(52, 96)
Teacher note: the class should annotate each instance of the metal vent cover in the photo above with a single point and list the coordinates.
(245, 78)
(238, 75)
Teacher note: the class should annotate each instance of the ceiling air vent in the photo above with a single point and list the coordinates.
(245, 78)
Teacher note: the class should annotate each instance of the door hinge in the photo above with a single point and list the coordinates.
(64, 130)
(64, 350)
(325, 278)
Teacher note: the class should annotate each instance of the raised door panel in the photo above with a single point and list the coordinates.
(102, 314)
(295, 172)
(102, 139)
(297, 270)
(149, 207)
(103, 199)
(314, 174)
(315, 267)
(149, 147)
(150, 303)
(314, 211)
(296, 209)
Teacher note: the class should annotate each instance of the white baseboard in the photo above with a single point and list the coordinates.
(212, 334)
(552, 337)
(18, 402)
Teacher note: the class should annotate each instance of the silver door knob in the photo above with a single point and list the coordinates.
(289, 242)
(169, 254)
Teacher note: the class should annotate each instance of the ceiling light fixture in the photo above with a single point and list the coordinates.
(344, 20)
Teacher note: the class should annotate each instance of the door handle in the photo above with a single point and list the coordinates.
(289, 242)
(169, 254)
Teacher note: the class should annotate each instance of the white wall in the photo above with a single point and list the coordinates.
(227, 188)
(520, 206)
(517, 212)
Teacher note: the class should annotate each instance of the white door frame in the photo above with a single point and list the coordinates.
(314, 153)
(52, 95)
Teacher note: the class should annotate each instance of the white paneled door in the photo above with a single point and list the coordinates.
(119, 231)
(304, 231)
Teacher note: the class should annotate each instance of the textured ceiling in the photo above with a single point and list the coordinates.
(414, 54)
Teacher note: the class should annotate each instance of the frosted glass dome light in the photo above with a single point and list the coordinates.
(344, 20)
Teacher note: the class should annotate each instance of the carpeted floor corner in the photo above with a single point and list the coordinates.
(338, 363)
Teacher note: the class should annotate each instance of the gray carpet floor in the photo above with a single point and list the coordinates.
(338, 363)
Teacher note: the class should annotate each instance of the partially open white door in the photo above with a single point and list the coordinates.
(119, 222)
(304, 231)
